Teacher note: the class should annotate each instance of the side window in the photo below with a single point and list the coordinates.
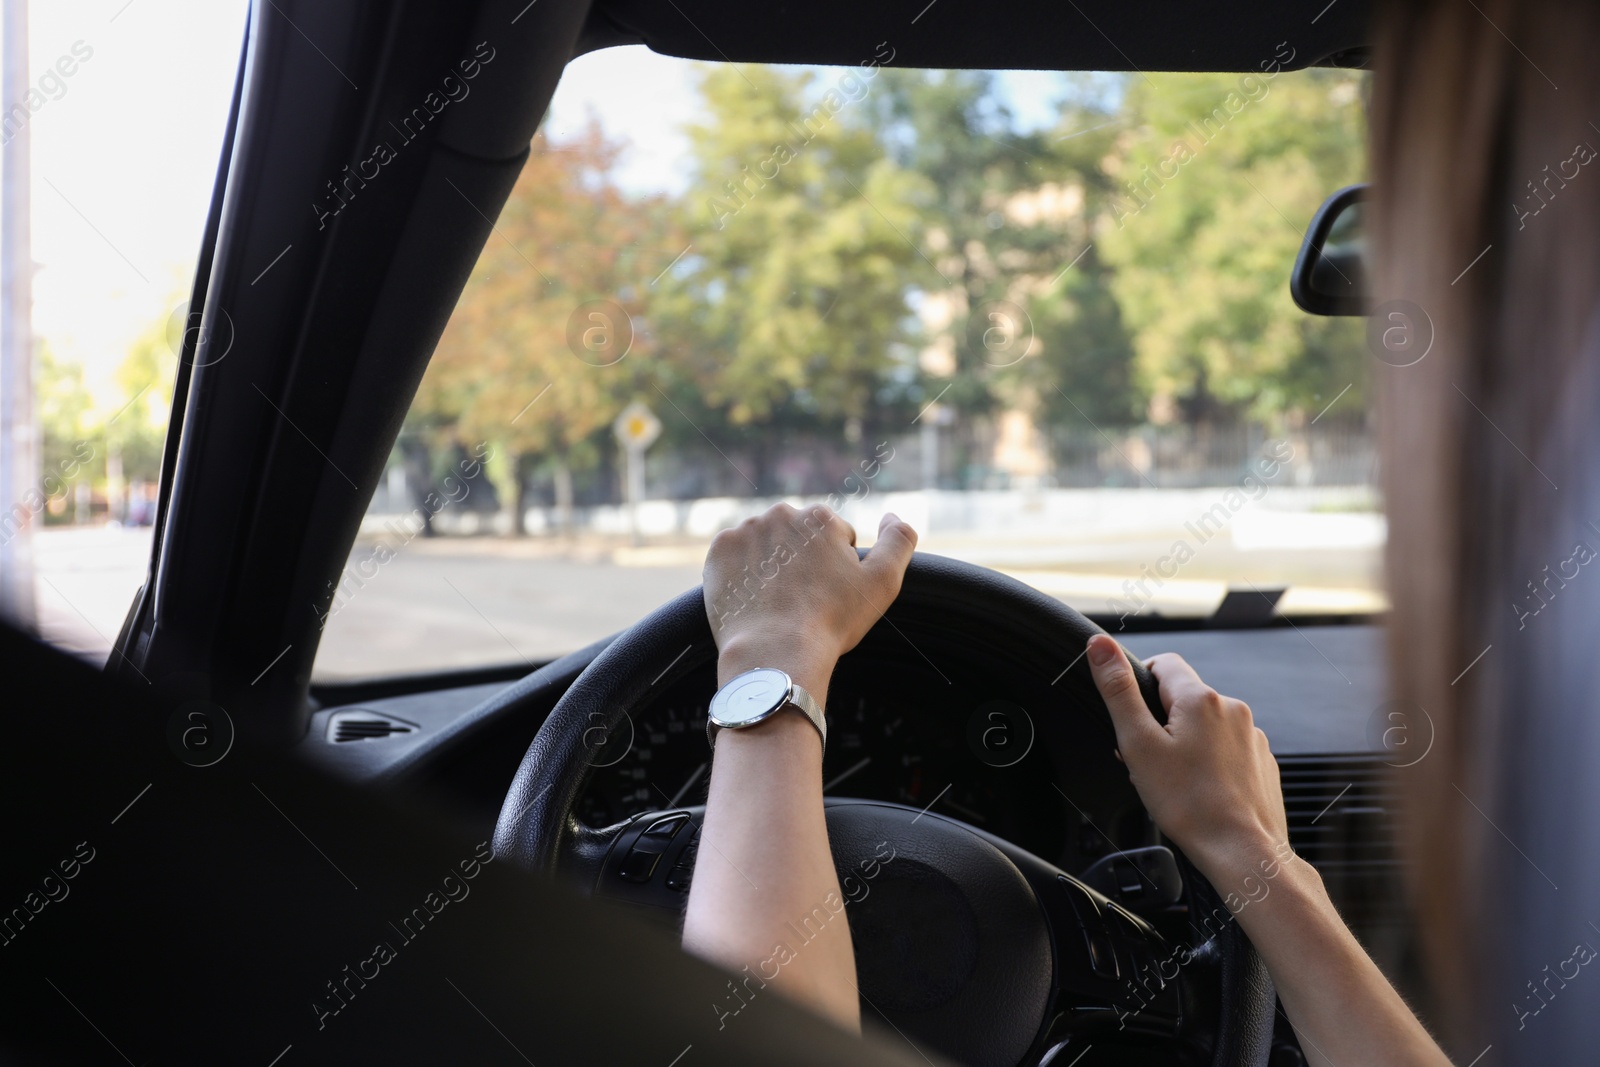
(117, 203)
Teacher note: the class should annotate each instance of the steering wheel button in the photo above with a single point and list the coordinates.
(638, 866)
(653, 845)
(666, 828)
(1102, 957)
(1083, 901)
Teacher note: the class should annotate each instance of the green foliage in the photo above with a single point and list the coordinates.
(1012, 223)
(792, 300)
(1217, 177)
(146, 378)
(948, 127)
(1083, 372)
(66, 433)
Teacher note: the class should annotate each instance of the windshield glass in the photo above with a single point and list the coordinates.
(1043, 317)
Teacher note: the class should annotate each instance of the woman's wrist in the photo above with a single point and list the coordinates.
(1228, 860)
(1246, 868)
(810, 669)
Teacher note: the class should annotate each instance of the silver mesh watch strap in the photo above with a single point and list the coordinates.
(802, 702)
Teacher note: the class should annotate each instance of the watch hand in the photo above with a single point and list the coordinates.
(842, 775)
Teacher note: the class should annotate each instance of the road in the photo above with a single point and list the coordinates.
(468, 601)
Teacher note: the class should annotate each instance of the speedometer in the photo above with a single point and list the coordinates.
(664, 765)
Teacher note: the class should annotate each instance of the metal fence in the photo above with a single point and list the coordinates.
(1329, 453)
(1184, 457)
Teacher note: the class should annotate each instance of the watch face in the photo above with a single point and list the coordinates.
(750, 697)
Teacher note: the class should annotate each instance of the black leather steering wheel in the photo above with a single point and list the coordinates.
(989, 953)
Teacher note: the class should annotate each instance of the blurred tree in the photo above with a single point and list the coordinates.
(71, 447)
(1083, 373)
(545, 344)
(775, 296)
(136, 433)
(789, 308)
(949, 127)
(1217, 177)
(1027, 324)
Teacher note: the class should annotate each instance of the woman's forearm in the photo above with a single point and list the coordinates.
(765, 901)
(788, 591)
(1341, 1006)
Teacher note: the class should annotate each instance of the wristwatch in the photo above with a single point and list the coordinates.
(756, 696)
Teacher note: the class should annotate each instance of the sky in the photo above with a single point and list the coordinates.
(125, 151)
(646, 98)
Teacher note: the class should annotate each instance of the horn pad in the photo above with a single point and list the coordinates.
(946, 931)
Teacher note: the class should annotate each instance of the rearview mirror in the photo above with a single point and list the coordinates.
(1329, 277)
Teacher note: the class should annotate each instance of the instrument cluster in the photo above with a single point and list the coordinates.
(901, 732)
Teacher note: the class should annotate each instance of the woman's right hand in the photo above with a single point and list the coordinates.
(1209, 781)
(1208, 777)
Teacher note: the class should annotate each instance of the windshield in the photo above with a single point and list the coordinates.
(1042, 317)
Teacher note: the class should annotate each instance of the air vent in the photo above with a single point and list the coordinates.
(1343, 820)
(362, 725)
(1341, 810)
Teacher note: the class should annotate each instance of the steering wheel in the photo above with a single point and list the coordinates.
(966, 942)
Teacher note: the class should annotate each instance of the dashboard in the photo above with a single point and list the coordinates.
(1000, 748)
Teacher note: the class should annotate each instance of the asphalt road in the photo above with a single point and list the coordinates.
(465, 603)
(434, 605)
(458, 602)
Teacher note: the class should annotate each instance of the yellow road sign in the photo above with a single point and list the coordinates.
(637, 427)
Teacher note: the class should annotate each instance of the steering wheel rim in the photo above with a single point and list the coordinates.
(538, 828)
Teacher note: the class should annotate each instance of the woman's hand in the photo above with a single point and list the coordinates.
(1209, 780)
(1208, 777)
(787, 590)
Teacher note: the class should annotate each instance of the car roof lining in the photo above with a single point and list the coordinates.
(1087, 35)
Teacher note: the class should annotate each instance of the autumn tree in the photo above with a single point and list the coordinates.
(545, 345)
